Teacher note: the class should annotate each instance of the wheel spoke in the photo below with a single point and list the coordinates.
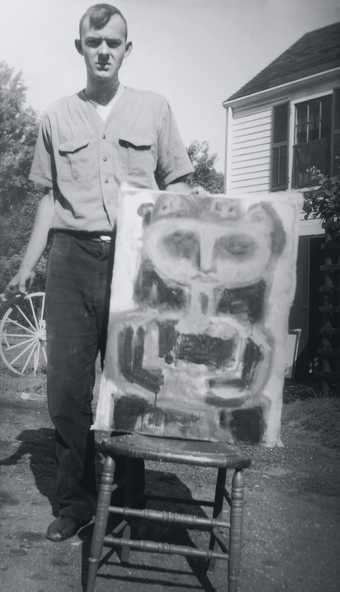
(29, 357)
(33, 312)
(44, 352)
(23, 352)
(25, 317)
(21, 326)
(42, 307)
(36, 357)
(20, 343)
(15, 334)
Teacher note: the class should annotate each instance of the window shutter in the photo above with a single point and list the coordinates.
(279, 153)
(335, 147)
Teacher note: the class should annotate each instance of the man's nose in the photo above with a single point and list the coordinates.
(103, 48)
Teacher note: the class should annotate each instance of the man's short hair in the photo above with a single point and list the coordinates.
(99, 15)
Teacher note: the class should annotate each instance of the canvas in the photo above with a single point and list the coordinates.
(201, 293)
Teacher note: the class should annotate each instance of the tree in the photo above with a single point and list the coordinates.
(205, 173)
(18, 131)
(324, 203)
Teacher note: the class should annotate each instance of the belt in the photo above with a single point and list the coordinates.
(104, 237)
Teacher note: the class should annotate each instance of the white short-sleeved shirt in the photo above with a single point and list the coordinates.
(85, 159)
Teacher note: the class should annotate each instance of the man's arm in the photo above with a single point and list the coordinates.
(36, 244)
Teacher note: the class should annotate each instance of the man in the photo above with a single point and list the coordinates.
(88, 144)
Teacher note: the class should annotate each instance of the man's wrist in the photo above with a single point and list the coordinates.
(26, 268)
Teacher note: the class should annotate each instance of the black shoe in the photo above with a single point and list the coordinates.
(64, 527)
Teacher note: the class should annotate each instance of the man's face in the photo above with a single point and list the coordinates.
(104, 49)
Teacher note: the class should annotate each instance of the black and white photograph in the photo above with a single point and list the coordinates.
(170, 296)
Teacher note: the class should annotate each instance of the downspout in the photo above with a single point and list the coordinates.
(228, 141)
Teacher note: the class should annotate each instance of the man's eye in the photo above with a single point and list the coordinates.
(93, 42)
(113, 43)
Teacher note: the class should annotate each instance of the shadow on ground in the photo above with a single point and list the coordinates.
(39, 446)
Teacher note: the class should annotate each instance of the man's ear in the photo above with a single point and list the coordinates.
(77, 43)
(128, 48)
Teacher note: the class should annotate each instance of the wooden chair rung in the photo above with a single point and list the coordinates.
(173, 517)
(179, 500)
(166, 548)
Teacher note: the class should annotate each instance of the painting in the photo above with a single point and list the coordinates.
(200, 298)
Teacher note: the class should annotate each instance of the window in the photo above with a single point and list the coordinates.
(312, 140)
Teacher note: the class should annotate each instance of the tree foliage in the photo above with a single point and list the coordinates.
(18, 130)
(324, 203)
(205, 173)
(18, 198)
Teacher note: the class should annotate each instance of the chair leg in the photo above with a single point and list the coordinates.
(102, 513)
(128, 502)
(217, 510)
(236, 514)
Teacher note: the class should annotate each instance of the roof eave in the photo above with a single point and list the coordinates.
(286, 87)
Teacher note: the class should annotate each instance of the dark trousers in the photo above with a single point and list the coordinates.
(77, 298)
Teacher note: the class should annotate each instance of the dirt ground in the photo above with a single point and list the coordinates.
(292, 509)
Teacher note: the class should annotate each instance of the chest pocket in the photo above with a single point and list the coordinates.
(137, 155)
(77, 159)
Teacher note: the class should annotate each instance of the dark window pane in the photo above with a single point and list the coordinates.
(314, 121)
(337, 109)
(326, 116)
(301, 123)
(301, 134)
(336, 157)
(308, 158)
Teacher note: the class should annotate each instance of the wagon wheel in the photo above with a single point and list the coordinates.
(23, 335)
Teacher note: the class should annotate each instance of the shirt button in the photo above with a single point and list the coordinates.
(104, 158)
(104, 136)
(106, 181)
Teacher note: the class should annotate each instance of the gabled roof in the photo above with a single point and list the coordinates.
(313, 53)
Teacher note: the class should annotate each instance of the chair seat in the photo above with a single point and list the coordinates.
(195, 452)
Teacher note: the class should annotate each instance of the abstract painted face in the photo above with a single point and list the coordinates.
(210, 243)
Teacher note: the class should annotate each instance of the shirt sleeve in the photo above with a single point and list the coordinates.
(173, 160)
(42, 164)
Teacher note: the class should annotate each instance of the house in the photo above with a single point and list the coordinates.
(279, 126)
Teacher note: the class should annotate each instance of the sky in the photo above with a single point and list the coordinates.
(195, 52)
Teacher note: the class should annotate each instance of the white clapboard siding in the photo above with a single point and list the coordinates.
(250, 149)
(251, 188)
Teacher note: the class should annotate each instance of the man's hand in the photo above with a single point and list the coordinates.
(24, 277)
(21, 281)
